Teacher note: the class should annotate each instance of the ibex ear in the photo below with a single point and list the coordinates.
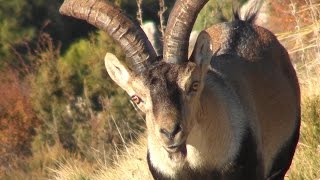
(118, 72)
(202, 52)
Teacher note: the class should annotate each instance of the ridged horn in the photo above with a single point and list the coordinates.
(180, 23)
(105, 16)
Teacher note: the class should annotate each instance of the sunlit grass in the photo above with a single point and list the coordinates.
(303, 45)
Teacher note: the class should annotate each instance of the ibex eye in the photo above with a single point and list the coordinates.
(136, 99)
(194, 86)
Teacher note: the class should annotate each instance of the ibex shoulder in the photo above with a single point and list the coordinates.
(244, 39)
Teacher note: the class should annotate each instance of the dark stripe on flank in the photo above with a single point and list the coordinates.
(284, 158)
(248, 165)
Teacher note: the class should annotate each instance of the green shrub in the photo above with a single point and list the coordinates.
(215, 12)
(80, 107)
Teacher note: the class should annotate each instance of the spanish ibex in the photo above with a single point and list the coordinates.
(229, 111)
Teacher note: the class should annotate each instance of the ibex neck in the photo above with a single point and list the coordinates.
(218, 134)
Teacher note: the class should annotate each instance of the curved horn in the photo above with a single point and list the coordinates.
(139, 51)
(180, 23)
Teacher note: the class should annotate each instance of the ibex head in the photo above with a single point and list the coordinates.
(166, 88)
(167, 93)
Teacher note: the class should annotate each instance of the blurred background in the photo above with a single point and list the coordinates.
(61, 116)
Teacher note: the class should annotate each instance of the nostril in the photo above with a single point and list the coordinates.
(163, 131)
(172, 133)
(177, 129)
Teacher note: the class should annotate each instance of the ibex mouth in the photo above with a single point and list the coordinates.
(177, 152)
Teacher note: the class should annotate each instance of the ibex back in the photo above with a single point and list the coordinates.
(230, 111)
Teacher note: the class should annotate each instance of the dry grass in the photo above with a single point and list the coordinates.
(303, 44)
(72, 169)
(129, 164)
(39, 165)
(306, 163)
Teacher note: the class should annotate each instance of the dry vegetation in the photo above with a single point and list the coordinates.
(17, 120)
(304, 47)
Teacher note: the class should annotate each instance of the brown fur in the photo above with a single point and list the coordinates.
(265, 79)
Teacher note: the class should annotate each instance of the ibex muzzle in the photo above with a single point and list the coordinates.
(230, 111)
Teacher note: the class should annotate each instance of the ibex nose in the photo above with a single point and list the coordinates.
(170, 133)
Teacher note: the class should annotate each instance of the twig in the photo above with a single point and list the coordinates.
(25, 68)
(161, 16)
(137, 110)
(123, 141)
(139, 13)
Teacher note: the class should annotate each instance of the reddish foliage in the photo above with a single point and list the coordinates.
(285, 15)
(17, 119)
